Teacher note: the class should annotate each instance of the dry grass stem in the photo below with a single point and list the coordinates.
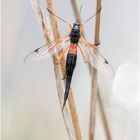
(45, 29)
(94, 91)
(104, 117)
(73, 112)
(97, 23)
(95, 88)
(93, 99)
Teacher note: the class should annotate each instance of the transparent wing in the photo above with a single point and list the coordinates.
(46, 51)
(98, 61)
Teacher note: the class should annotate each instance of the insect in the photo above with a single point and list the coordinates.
(90, 53)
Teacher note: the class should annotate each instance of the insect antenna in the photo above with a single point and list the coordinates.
(79, 13)
(93, 15)
(58, 16)
(80, 10)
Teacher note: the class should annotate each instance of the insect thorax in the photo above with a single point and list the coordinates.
(75, 34)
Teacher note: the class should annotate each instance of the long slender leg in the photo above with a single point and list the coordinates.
(85, 60)
(86, 43)
(61, 55)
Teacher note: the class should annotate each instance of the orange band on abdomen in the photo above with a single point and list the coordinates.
(73, 49)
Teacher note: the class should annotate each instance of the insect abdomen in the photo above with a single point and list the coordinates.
(70, 66)
(73, 49)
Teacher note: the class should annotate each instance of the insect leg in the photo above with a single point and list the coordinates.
(85, 60)
(61, 55)
(86, 43)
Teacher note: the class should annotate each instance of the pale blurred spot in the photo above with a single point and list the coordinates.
(125, 85)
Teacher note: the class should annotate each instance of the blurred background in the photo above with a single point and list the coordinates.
(30, 105)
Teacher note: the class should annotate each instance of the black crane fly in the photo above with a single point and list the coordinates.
(89, 54)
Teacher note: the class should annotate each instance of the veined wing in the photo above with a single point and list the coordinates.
(45, 51)
(97, 60)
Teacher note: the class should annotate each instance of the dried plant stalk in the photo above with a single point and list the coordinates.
(73, 112)
(45, 29)
(97, 23)
(96, 95)
(104, 117)
(93, 99)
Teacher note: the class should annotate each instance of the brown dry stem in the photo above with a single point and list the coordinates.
(73, 112)
(93, 99)
(96, 95)
(104, 117)
(45, 29)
